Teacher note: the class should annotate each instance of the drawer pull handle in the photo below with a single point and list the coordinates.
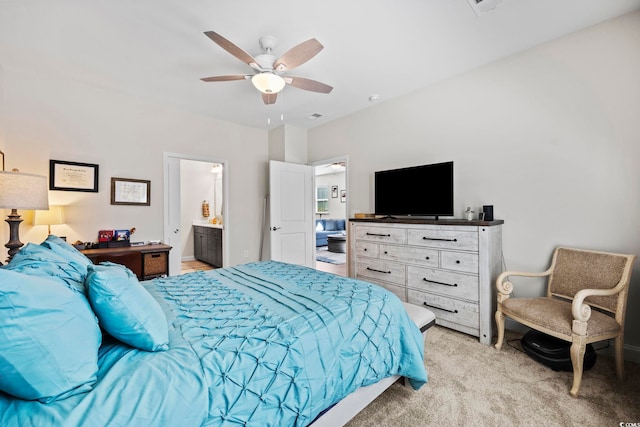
(455, 285)
(378, 271)
(439, 240)
(457, 261)
(365, 249)
(155, 255)
(379, 235)
(386, 253)
(426, 257)
(440, 308)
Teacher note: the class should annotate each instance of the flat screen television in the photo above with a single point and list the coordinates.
(425, 190)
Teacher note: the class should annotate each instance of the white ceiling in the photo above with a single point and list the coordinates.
(156, 49)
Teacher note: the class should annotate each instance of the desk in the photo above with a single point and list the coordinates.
(146, 262)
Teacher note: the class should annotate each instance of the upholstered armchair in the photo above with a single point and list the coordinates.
(585, 302)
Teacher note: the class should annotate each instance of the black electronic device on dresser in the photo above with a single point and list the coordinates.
(425, 190)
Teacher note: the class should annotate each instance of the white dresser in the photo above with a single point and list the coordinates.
(449, 266)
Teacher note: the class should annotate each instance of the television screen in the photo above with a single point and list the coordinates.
(425, 190)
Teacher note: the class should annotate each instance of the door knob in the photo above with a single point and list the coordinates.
(275, 228)
(176, 230)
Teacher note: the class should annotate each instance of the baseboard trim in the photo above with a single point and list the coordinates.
(188, 258)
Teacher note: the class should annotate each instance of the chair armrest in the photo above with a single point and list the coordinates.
(582, 311)
(505, 287)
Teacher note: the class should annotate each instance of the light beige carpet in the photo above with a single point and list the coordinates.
(471, 384)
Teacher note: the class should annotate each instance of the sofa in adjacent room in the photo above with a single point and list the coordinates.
(325, 227)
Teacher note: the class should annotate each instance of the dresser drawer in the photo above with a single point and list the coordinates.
(381, 234)
(459, 261)
(369, 249)
(445, 239)
(413, 255)
(443, 282)
(399, 291)
(451, 310)
(386, 271)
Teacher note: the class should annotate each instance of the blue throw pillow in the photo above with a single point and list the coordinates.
(49, 339)
(75, 258)
(125, 309)
(330, 225)
(37, 260)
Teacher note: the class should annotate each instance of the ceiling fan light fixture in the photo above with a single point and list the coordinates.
(268, 82)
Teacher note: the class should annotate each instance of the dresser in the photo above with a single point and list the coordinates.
(146, 261)
(449, 266)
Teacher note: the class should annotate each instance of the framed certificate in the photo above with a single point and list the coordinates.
(125, 191)
(73, 176)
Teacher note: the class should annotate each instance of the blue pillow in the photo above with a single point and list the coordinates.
(49, 339)
(76, 258)
(37, 260)
(125, 309)
(330, 225)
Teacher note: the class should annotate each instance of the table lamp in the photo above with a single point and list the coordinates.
(54, 216)
(21, 191)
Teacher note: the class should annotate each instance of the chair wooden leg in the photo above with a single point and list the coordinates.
(577, 351)
(500, 328)
(619, 353)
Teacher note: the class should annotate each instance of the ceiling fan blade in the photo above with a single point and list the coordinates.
(308, 84)
(231, 47)
(298, 55)
(225, 78)
(269, 98)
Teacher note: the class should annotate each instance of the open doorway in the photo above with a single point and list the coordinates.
(191, 184)
(331, 207)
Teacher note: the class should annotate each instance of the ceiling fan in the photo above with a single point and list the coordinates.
(269, 71)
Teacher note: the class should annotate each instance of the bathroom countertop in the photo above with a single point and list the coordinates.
(207, 224)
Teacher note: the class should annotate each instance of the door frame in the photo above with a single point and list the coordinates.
(225, 198)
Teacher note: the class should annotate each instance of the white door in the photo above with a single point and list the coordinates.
(291, 213)
(172, 235)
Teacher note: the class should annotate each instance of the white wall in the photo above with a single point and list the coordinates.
(50, 117)
(550, 137)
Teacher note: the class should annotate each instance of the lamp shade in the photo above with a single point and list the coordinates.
(54, 216)
(268, 82)
(23, 191)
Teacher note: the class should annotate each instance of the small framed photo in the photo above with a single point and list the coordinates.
(343, 196)
(126, 191)
(73, 176)
(481, 216)
(334, 191)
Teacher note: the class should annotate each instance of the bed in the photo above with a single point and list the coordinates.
(263, 343)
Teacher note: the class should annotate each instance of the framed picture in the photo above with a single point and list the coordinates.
(334, 191)
(73, 176)
(343, 196)
(126, 191)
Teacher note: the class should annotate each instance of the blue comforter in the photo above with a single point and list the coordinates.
(260, 344)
